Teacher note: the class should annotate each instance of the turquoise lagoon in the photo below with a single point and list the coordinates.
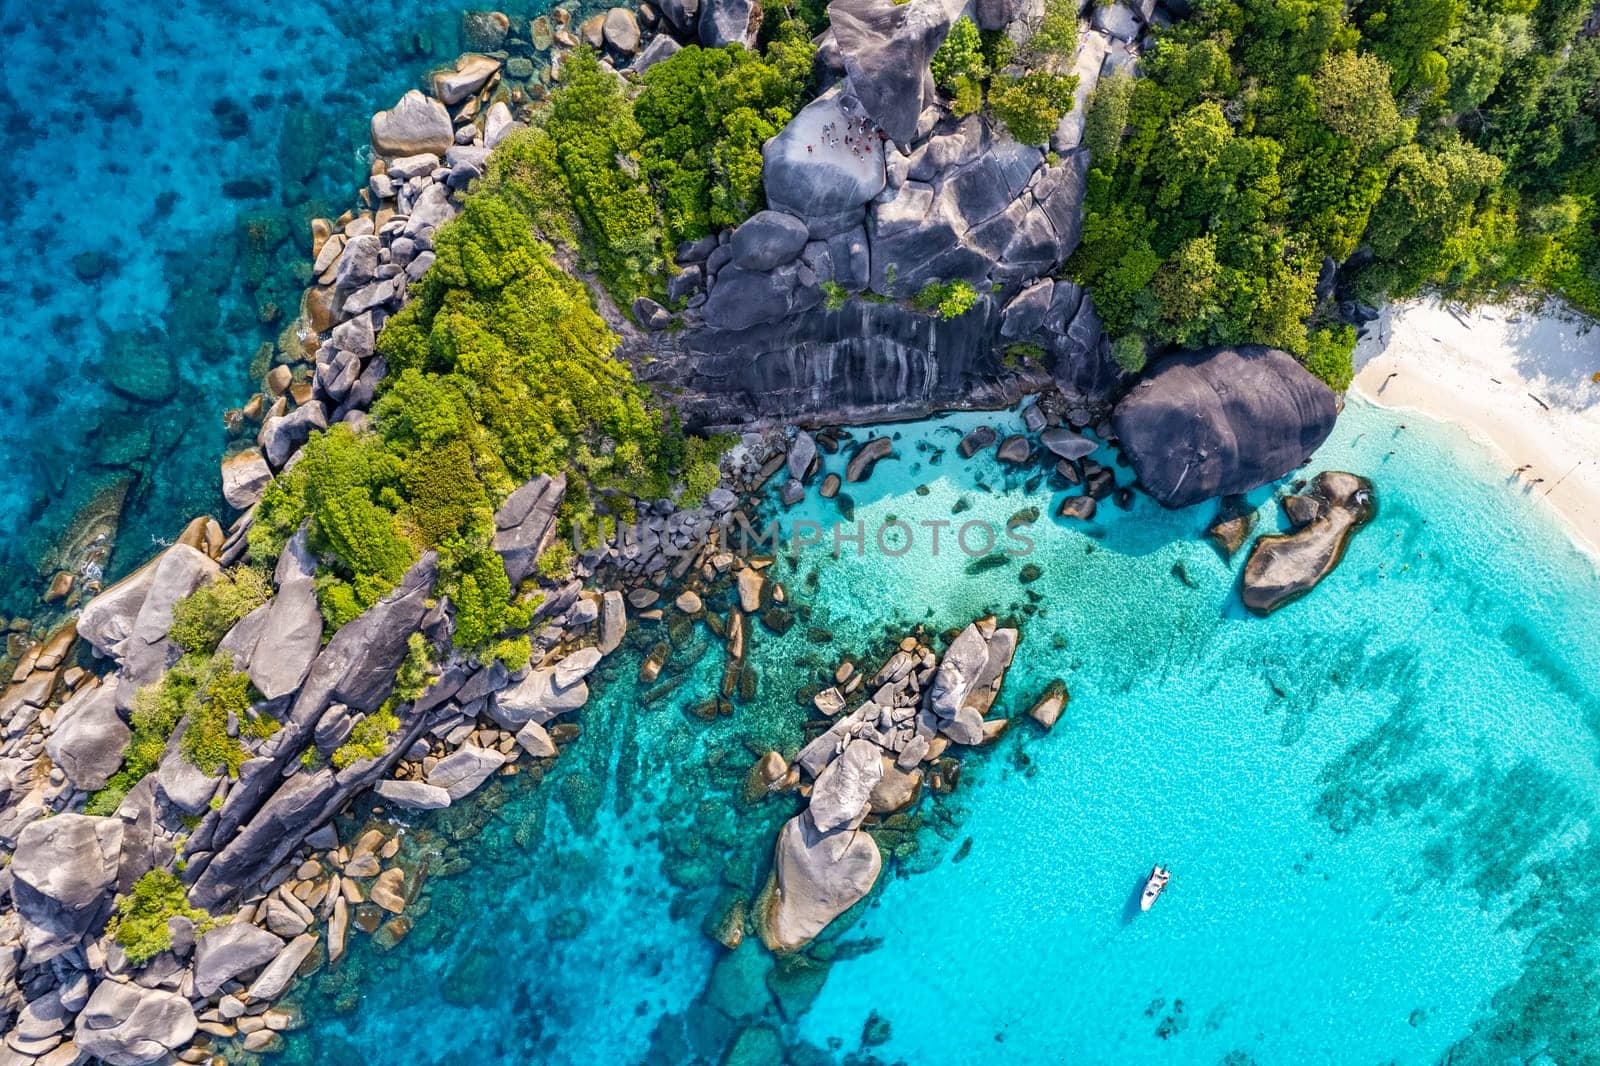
(1376, 803)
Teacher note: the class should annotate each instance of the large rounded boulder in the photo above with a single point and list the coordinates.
(1222, 420)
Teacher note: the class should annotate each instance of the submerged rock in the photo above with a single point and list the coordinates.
(1235, 521)
(1066, 444)
(866, 457)
(976, 440)
(1014, 450)
(1222, 420)
(1048, 710)
(1282, 568)
(1082, 508)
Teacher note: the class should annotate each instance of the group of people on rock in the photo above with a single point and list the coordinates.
(857, 137)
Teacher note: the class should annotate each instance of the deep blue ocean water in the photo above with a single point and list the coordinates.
(167, 158)
(1377, 805)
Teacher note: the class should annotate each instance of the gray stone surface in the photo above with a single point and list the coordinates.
(88, 736)
(462, 771)
(886, 48)
(768, 239)
(816, 877)
(414, 795)
(525, 524)
(63, 873)
(226, 952)
(536, 698)
(743, 299)
(1222, 420)
(125, 1025)
(415, 124)
(804, 174)
(290, 631)
(245, 477)
(724, 22)
(841, 793)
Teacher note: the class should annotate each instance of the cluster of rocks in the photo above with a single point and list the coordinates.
(259, 843)
(917, 195)
(872, 760)
(427, 150)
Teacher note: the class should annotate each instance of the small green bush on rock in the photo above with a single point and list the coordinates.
(139, 924)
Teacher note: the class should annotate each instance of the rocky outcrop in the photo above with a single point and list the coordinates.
(230, 951)
(1222, 420)
(414, 125)
(525, 524)
(1283, 568)
(275, 802)
(1235, 521)
(816, 877)
(840, 796)
(461, 772)
(277, 643)
(413, 795)
(811, 173)
(968, 678)
(886, 48)
(129, 621)
(63, 873)
(88, 736)
(893, 195)
(869, 761)
(126, 1025)
(725, 22)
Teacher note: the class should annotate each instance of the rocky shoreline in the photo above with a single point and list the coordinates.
(266, 889)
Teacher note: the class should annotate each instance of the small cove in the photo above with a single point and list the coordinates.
(1366, 800)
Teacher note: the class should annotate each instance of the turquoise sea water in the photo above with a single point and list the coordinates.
(168, 157)
(1376, 804)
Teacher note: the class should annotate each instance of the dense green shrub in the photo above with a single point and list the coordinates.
(201, 619)
(704, 114)
(947, 299)
(1028, 104)
(1107, 120)
(960, 62)
(368, 739)
(206, 689)
(1433, 138)
(1031, 104)
(139, 923)
(1128, 351)
(625, 175)
(1328, 356)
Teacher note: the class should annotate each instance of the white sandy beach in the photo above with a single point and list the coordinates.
(1519, 382)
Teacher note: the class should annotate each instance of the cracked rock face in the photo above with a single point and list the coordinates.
(892, 196)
